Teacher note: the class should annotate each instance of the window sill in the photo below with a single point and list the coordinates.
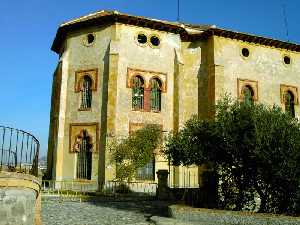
(155, 111)
(82, 109)
(143, 110)
(139, 110)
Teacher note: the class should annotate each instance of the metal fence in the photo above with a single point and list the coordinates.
(137, 188)
(183, 177)
(108, 188)
(19, 151)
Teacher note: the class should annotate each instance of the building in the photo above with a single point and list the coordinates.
(117, 72)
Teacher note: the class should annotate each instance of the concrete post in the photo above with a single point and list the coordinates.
(163, 191)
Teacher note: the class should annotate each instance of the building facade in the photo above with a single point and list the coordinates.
(117, 72)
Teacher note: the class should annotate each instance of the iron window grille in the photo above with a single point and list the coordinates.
(290, 103)
(86, 93)
(84, 158)
(146, 172)
(248, 95)
(138, 93)
(155, 95)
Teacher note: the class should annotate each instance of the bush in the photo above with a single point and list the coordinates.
(254, 149)
(135, 151)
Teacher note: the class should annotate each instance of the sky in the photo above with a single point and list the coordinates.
(29, 27)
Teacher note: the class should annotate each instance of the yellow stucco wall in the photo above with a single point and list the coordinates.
(114, 51)
(79, 57)
(196, 74)
(264, 64)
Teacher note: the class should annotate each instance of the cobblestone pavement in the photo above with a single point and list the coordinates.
(67, 212)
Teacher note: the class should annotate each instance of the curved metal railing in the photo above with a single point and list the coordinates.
(19, 151)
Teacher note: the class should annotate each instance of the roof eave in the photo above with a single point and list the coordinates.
(247, 38)
(187, 33)
(109, 19)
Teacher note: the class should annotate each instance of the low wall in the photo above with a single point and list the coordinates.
(20, 202)
(213, 217)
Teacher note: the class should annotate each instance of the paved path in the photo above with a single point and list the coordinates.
(58, 212)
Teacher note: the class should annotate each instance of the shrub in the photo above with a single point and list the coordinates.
(135, 151)
(254, 149)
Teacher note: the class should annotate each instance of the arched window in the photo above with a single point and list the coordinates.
(138, 93)
(290, 103)
(155, 95)
(86, 93)
(248, 95)
(84, 157)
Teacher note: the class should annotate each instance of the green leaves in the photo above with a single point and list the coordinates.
(135, 151)
(253, 147)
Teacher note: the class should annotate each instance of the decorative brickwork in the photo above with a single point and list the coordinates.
(147, 76)
(284, 89)
(92, 73)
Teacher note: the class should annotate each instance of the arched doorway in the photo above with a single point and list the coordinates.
(84, 156)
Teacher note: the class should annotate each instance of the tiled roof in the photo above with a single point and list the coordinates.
(188, 32)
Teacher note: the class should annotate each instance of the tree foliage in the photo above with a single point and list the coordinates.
(255, 150)
(135, 151)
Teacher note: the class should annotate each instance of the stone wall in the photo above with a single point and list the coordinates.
(19, 199)
(17, 206)
(189, 215)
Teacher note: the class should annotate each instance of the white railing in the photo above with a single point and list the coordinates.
(109, 187)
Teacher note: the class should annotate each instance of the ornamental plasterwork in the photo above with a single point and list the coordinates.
(147, 76)
(76, 134)
(284, 89)
(92, 73)
(241, 83)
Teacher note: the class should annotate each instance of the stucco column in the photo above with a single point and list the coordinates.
(62, 138)
(108, 108)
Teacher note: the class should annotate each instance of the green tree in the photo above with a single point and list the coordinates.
(135, 151)
(254, 149)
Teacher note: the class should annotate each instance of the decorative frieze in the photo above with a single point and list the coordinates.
(147, 77)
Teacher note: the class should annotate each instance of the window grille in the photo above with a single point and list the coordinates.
(138, 93)
(147, 172)
(290, 103)
(248, 95)
(86, 93)
(84, 158)
(155, 95)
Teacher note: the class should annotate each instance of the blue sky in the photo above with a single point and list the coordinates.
(28, 29)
